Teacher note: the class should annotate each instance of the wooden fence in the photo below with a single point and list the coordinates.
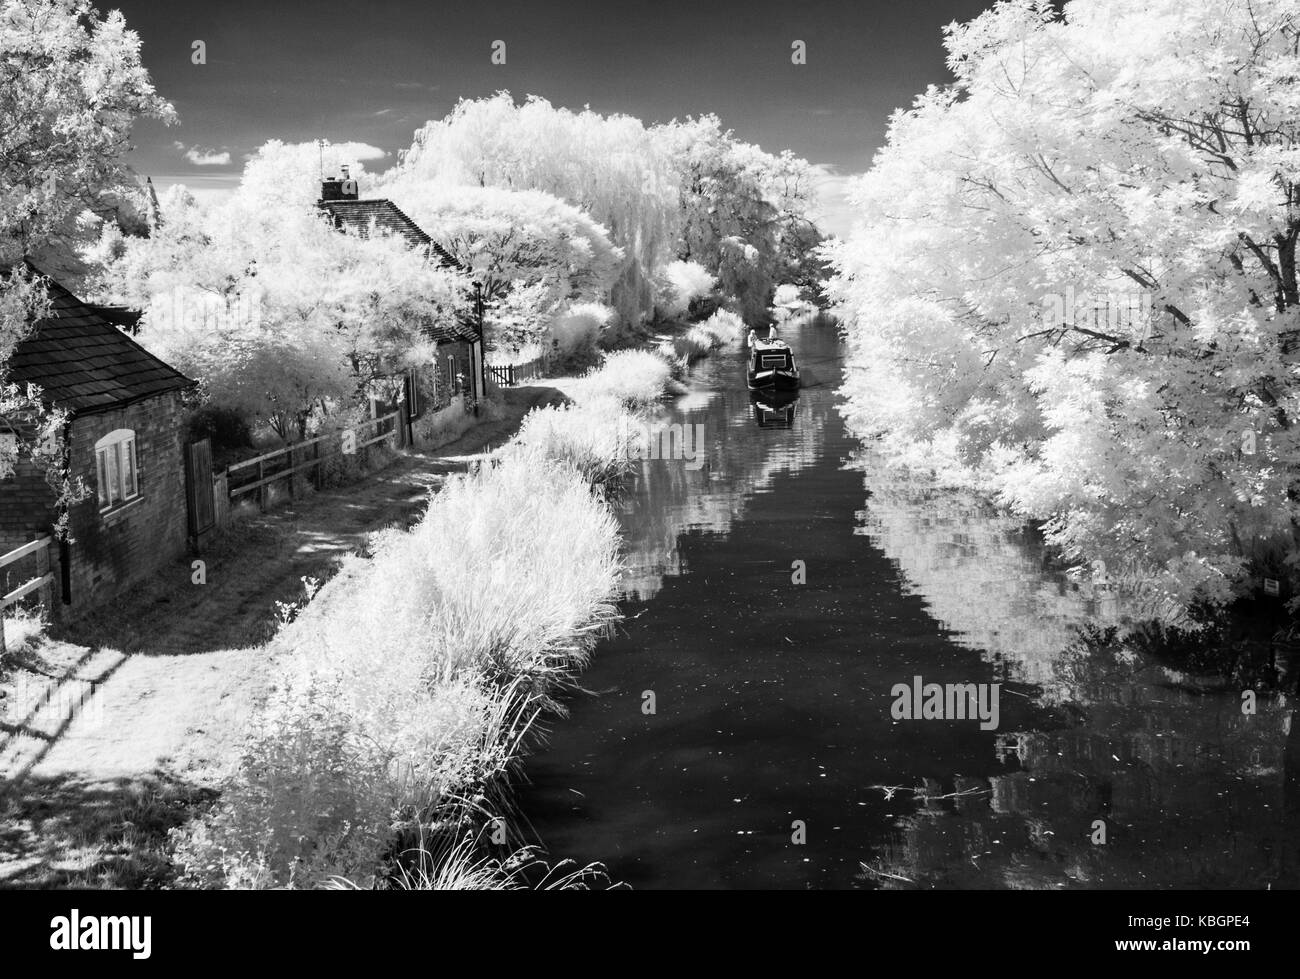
(508, 375)
(260, 473)
(43, 581)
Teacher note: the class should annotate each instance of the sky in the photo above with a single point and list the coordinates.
(375, 71)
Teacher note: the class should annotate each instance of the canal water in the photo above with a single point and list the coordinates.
(772, 757)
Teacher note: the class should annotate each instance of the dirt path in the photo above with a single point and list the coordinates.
(165, 678)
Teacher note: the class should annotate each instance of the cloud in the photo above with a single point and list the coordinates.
(207, 189)
(361, 151)
(836, 214)
(202, 157)
(383, 112)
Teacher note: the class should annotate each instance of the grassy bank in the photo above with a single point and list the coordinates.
(408, 691)
(412, 684)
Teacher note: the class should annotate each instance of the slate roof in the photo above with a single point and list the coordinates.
(359, 217)
(85, 364)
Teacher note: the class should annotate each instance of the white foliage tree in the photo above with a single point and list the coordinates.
(611, 167)
(276, 313)
(71, 85)
(283, 174)
(532, 253)
(1142, 156)
(746, 214)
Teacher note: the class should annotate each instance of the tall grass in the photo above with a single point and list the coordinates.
(634, 378)
(724, 327)
(592, 437)
(458, 863)
(719, 330)
(414, 679)
(22, 628)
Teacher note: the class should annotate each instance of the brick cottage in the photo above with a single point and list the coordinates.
(457, 369)
(125, 441)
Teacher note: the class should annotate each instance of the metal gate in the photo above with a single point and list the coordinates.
(198, 491)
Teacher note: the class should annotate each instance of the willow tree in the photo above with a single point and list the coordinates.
(746, 215)
(532, 253)
(611, 167)
(1073, 283)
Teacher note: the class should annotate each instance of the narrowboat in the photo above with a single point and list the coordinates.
(771, 367)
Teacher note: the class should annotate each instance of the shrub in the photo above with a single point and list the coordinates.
(634, 378)
(690, 346)
(724, 326)
(685, 282)
(575, 334)
(789, 303)
(786, 295)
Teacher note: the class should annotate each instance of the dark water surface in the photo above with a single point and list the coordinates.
(773, 699)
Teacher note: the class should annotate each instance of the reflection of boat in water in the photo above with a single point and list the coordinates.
(771, 367)
(774, 409)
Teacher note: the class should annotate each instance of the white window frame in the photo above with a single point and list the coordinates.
(117, 469)
(413, 379)
(451, 375)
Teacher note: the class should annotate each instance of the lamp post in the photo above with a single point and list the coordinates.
(482, 342)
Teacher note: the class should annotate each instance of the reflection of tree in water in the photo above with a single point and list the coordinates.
(670, 499)
(1192, 791)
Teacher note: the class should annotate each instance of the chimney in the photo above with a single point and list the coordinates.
(349, 188)
(331, 189)
(338, 189)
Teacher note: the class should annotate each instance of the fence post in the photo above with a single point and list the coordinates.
(261, 487)
(42, 569)
(292, 475)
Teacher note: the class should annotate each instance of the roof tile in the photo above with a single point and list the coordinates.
(82, 362)
(360, 217)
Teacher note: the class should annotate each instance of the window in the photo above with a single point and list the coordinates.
(414, 405)
(451, 375)
(116, 468)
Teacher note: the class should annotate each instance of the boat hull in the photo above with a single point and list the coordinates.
(772, 381)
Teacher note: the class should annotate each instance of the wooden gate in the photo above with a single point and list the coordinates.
(198, 491)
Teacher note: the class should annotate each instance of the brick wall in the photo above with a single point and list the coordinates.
(109, 551)
(25, 505)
